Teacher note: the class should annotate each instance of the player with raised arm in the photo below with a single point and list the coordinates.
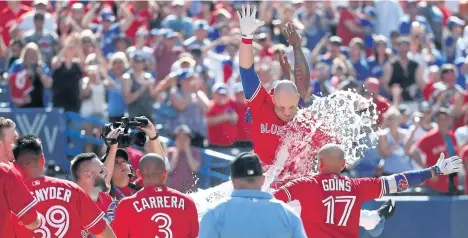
(331, 203)
(65, 209)
(16, 199)
(159, 211)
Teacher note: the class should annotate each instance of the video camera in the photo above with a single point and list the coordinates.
(129, 134)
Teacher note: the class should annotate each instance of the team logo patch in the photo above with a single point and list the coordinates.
(334, 176)
(402, 185)
(35, 183)
(158, 189)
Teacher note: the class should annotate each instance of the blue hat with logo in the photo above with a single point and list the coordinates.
(201, 25)
(454, 21)
(106, 15)
(185, 74)
(138, 56)
(220, 88)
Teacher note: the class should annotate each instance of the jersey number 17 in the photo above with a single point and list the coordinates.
(330, 202)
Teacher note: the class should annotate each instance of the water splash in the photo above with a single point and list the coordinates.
(338, 118)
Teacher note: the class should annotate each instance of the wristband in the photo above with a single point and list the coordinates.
(246, 41)
(436, 170)
(155, 137)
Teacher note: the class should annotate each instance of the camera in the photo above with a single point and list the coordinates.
(129, 135)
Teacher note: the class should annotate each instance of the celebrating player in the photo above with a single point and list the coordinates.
(90, 173)
(17, 200)
(161, 211)
(65, 209)
(331, 203)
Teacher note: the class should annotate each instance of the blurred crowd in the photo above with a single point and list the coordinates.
(176, 62)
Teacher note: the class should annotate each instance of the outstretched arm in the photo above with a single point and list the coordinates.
(248, 25)
(301, 67)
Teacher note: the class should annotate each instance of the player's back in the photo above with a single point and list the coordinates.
(65, 209)
(156, 211)
(338, 203)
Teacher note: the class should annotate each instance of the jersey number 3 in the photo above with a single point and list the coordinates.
(56, 217)
(330, 202)
(165, 225)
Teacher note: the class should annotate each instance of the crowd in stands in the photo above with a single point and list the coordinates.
(107, 59)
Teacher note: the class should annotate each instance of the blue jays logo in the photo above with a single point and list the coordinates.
(403, 184)
(334, 176)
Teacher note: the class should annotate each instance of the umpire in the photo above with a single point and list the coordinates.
(250, 212)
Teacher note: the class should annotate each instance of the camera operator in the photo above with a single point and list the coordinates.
(117, 161)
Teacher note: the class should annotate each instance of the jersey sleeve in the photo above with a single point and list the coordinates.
(370, 188)
(120, 224)
(254, 92)
(295, 190)
(19, 199)
(92, 218)
(194, 225)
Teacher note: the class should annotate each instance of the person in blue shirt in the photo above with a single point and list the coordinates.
(454, 43)
(368, 22)
(412, 16)
(250, 212)
(379, 57)
(200, 35)
(177, 21)
(108, 29)
(356, 51)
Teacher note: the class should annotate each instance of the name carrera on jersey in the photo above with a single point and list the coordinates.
(159, 202)
(266, 128)
(51, 193)
(336, 185)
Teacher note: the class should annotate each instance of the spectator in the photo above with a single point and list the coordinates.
(372, 88)
(221, 118)
(138, 89)
(454, 43)
(31, 68)
(200, 35)
(67, 75)
(380, 56)
(412, 16)
(29, 19)
(422, 124)
(122, 42)
(321, 86)
(47, 41)
(427, 150)
(356, 53)
(349, 24)
(65, 27)
(405, 72)
(391, 144)
(107, 30)
(140, 45)
(166, 53)
(388, 14)
(121, 176)
(15, 48)
(178, 22)
(316, 23)
(184, 161)
(11, 16)
(434, 17)
(116, 104)
(191, 105)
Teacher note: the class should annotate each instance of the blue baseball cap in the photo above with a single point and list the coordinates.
(201, 25)
(369, 10)
(170, 34)
(454, 21)
(106, 15)
(185, 74)
(138, 56)
(157, 32)
(220, 88)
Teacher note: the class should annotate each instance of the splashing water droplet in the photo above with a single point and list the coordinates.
(344, 118)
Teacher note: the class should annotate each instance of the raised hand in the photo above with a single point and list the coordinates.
(290, 32)
(247, 21)
(284, 62)
(448, 166)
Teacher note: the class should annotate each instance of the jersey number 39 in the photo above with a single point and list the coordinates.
(330, 202)
(56, 217)
(165, 224)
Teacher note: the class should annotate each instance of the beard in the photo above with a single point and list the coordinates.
(101, 184)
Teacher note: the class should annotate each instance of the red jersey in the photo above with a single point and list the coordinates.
(142, 19)
(120, 193)
(10, 19)
(15, 199)
(65, 209)
(343, 32)
(103, 202)
(460, 121)
(331, 203)
(161, 212)
(225, 133)
(430, 146)
(266, 125)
